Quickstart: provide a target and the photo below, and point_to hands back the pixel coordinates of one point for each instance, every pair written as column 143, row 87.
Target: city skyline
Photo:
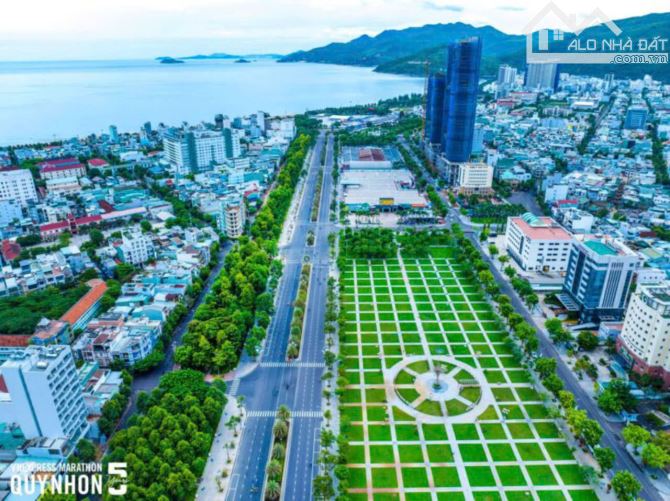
column 125, row 30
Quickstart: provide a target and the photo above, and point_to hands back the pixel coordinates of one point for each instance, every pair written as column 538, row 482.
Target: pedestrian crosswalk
column 297, row 365
column 234, row 387
column 296, row 414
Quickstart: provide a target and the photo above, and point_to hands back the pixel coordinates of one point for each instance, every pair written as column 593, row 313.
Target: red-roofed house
column 50, row 231
column 10, row 250
column 61, row 167
column 538, row 243
column 14, row 340
column 97, row 163
column 86, row 308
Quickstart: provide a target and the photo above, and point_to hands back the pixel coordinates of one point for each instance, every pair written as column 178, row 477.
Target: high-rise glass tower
column 435, row 107
column 460, row 98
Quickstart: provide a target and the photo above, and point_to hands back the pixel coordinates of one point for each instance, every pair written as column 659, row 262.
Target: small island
column 242, row 60
column 170, row 60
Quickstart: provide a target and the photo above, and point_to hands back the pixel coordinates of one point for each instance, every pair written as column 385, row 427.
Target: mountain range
column 413, row 51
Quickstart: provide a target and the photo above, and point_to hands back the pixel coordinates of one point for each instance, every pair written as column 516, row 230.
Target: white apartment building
column 194, row 151
column 645, row 339
column 538, row 243
column 64, row 185
column 556, row 192
column 474, row 177
column 136, row 248
column 17, row 184
column 61, row 171
column 44, row 397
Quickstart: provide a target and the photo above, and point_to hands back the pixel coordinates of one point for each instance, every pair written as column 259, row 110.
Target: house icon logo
column 568, row 44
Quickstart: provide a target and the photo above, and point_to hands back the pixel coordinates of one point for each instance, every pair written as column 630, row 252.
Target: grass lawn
column 414, row 477
column 384, row 477
column 446, row 477
column 506, row 447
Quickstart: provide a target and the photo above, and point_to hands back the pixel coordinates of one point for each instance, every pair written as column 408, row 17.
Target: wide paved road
column 297, row 384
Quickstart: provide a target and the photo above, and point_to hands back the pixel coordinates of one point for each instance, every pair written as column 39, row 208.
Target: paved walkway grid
column 437, row 404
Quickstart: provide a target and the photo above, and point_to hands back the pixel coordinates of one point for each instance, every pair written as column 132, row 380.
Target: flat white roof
column 369, row 186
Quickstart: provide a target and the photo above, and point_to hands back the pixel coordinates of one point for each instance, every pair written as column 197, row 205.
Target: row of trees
column 314, row 212
column 274, row 470
column 383, row 134
column 587, row 430
column 654, row 450
column 298, row 320
column 522, row 287
column 439, row 207
column 240, row 301
column 112, row 410
column 415, row 243
column 167, row 443
column 367, row 243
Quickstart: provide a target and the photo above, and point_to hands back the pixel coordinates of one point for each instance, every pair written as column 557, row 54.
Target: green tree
column 567, row 399
column 635, row 435
column 280, row 430
column 553, row 383
column 272, row 490
column 96, row 236
column 616, row 397
column 273, row 469
column 587, row 340
column 605, row 458
column 545, row 366
column 625, row 485
column 655, row 456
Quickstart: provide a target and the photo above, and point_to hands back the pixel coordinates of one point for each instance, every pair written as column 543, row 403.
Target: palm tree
column 280, row 430
column 272, row 490
column 278, row 451
column 273, row 469
column 283, row 413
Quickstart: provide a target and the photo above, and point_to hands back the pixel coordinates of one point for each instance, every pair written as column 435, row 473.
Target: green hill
column 407, row 51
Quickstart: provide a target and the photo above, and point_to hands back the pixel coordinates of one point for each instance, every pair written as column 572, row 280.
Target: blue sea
column 42, row 101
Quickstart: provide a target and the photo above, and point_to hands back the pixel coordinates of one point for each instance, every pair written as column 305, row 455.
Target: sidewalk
column 219, row 466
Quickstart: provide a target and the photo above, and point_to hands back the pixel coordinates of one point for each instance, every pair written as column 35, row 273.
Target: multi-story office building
column 435, row 108
column 538, row 243
column 636, row 117
column 113, row 133
column 599, row 276
column 232, row 146
column 460, row 100
column 17, row 184
column 474, row 177
column 506, row 75
column 196, row 151
column 44, row 395
column 542, row 76
column 645, row 339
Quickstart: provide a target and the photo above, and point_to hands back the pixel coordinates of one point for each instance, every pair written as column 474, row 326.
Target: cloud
column 511, row 8
column 429, row 4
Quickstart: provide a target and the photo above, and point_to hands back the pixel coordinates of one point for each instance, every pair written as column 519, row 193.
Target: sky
column 136, row 29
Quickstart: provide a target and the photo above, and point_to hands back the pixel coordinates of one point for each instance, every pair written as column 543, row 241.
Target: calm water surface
column 40, row 101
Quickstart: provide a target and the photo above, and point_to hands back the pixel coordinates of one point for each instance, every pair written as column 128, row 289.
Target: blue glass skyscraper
column 460, row 98
column 435, row 107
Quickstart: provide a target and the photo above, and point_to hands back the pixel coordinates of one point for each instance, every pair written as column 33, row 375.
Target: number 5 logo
column 118, row 470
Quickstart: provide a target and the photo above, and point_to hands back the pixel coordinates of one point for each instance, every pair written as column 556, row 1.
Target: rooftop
column 98, row 288
column 600, row 248
column 541, row 228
